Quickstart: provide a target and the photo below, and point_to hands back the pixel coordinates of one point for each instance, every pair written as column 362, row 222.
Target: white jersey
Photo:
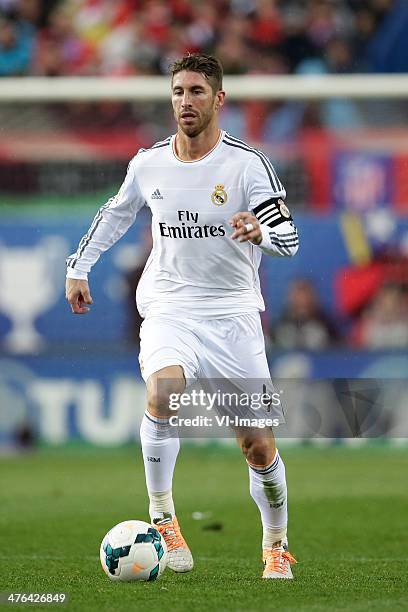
column 194, row 269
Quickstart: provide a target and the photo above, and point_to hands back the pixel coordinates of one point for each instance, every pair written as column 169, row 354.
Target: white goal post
column 265, row 87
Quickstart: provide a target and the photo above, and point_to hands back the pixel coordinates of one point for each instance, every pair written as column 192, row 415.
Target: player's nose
column 185, row 102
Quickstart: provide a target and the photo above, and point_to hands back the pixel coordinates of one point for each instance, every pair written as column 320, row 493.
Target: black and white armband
column 279, row 234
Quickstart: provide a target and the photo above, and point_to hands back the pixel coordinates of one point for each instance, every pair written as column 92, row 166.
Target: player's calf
column 160, row 447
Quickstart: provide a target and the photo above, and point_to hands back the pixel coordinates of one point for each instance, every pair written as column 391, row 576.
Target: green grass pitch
column 348, row 526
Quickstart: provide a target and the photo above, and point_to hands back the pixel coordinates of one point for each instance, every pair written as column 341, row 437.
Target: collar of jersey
column 195, row 161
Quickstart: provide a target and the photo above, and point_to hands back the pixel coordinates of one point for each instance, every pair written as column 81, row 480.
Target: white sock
column 160, row 447
column 268, row 489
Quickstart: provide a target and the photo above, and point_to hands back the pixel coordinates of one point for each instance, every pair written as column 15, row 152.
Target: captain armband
column 272, row 212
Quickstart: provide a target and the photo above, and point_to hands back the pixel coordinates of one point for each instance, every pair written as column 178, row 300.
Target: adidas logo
column 156, row 195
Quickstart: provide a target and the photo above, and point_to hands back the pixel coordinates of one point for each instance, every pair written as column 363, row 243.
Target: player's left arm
column 268, row 222
column 280, row 240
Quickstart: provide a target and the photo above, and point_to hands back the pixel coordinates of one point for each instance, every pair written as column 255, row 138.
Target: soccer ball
column 133, row 550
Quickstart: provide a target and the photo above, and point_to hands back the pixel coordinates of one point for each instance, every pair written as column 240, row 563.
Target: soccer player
column 216, row 205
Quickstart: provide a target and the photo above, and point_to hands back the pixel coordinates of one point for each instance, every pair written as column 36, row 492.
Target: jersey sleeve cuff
column 76, row 274
column 279, row 243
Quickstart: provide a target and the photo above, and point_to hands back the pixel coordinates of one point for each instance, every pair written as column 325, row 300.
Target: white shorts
column 225, row 357
column 206, row 349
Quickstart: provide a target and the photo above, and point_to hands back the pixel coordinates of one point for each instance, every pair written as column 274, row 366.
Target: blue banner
column 100, row 398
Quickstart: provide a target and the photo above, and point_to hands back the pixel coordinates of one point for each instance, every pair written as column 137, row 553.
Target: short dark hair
column 207, row 65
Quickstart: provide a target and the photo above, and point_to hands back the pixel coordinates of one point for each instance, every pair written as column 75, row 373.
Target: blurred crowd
column 381, row 323
column 133, row 37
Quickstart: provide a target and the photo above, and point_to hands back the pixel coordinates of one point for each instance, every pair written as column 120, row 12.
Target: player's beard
column 194, row 130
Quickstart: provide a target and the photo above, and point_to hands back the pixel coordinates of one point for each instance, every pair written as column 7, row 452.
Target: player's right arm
column 111, row 221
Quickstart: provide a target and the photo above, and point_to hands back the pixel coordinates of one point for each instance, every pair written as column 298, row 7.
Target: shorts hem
column 147, row 372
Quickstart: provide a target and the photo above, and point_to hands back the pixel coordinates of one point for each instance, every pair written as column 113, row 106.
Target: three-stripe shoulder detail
column 240, row 144
column 157, row 145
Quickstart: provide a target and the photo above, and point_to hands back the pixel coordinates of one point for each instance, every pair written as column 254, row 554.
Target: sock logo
column 154, row 459
column 276, row 505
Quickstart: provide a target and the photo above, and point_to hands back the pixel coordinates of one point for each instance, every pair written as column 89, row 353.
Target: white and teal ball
column 133, row 550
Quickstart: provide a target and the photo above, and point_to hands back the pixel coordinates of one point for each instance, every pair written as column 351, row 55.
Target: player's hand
column 77, row 293
column 241, row 223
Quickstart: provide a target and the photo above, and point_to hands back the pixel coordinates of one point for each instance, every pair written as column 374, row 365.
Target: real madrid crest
column 284, row 210
column 219, row 196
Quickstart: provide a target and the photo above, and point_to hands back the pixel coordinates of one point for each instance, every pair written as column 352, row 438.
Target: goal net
column 73, row 137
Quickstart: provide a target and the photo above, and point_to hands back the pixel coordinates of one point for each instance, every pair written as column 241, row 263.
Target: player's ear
column 220, row 98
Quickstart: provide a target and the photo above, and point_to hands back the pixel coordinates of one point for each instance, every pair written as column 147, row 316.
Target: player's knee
column 257, row 451
column 158, row 402
column 159, row 395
